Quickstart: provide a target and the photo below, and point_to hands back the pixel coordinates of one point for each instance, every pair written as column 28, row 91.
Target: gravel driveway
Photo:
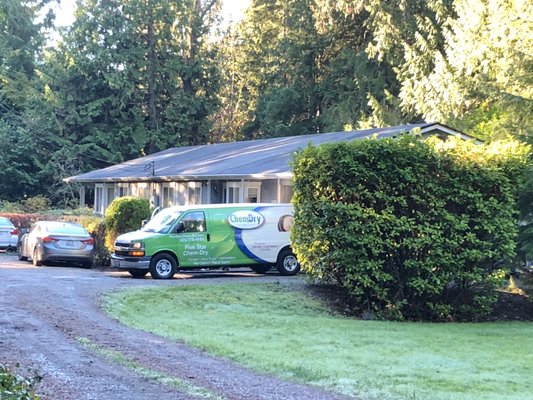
column 50, row 321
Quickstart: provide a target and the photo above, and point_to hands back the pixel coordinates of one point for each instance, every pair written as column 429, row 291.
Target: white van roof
column 226, row 205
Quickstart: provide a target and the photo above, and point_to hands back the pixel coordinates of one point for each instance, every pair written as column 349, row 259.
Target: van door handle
column 208, row 237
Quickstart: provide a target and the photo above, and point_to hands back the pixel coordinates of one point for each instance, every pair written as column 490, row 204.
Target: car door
column 30, row 240
column 192, row 239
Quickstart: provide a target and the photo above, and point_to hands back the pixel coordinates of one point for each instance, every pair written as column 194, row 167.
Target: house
column 245, row 171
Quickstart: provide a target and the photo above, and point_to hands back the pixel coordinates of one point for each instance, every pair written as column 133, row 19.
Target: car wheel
column 163, row 266
column 287, row 263
column 36, row 259
column 137, row 273
column 260, row 268
column 19, row 250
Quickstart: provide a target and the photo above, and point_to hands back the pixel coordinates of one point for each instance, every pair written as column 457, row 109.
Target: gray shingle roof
column 263, row 158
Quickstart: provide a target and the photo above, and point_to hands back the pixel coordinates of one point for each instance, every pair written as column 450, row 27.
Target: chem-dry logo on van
column 243, row 219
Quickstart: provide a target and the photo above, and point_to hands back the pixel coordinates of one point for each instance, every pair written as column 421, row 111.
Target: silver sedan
column 8, row 235
column 57, row 241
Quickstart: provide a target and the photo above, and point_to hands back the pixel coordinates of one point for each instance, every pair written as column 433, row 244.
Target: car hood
column 136, row 235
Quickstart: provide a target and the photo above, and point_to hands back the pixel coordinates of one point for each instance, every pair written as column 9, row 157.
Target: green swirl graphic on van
column 243, row 219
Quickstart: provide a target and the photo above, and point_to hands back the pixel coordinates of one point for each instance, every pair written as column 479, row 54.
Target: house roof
column 252, row 159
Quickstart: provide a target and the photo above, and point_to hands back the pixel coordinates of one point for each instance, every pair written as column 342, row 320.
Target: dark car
column 58, row 242
column 8, row 235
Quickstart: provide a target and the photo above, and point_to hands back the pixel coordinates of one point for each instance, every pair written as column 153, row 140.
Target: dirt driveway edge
column 52, row 322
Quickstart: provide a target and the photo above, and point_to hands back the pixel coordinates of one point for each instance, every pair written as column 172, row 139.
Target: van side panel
column 263, row 244
column 223, row 249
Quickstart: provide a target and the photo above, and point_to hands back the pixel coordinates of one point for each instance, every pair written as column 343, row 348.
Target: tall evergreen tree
column 136, row 76
column 302, row 66
column 483, row 82
column 23, row 130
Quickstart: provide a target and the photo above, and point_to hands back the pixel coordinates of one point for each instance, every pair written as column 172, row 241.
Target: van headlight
column 136, row 249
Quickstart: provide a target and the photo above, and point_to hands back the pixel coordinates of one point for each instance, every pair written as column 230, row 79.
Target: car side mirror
column 143, row 223
column 181, row 227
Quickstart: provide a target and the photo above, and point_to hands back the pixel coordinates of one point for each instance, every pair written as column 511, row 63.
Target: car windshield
column 162, row 221
column 66, row 229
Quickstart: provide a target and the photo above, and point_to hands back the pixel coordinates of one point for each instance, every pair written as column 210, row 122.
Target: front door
column 193, row 240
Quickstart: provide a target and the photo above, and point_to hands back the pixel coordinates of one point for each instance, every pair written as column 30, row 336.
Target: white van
column 210, row 236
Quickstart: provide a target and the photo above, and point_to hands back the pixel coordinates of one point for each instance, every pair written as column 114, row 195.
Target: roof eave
column 185, row 178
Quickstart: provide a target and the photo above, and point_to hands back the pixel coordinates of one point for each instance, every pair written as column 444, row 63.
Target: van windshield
column 162, row 222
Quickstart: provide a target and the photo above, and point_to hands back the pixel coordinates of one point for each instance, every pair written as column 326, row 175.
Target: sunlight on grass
column 274, row 329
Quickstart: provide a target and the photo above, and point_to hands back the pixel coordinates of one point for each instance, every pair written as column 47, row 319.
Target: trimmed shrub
column 412, row 229
column 123, row 215
column 10, row 207
column 17, row 387
column 36, row 204
column 96, row 226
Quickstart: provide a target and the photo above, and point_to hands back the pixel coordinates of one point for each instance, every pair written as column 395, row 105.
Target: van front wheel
column 287, row 263
column 163, row 266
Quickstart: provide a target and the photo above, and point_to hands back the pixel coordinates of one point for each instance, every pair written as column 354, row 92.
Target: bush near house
column 412, row 229
column 96, row 226
column 124, row 214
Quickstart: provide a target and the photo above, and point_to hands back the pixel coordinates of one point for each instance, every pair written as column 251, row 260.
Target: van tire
column 138, row 273
column 287, row 263
column 163, row 266
column 260, row 268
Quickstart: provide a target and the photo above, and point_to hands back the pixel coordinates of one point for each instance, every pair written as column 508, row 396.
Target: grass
column 275, row 329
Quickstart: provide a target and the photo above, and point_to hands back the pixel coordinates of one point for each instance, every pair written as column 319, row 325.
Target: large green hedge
column 124, row 214
column 413, row 229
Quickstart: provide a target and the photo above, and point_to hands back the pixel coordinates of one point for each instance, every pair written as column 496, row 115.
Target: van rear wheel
column 163, row 266
column 287, row 263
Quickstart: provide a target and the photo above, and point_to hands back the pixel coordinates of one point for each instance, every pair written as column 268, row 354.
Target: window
column 252, row 194
column 110, row 195
column 251, row 191
column 122, row 189
column 193, row 222
column 233, row 193
column 286, row 193
column 169, row 194
column 194, row 193
column 98, row 199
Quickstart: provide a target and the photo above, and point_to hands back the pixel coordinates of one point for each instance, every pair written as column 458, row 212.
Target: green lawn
column 276, row 329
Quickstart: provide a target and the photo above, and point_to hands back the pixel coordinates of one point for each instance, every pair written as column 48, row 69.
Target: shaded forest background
column 132, row 77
